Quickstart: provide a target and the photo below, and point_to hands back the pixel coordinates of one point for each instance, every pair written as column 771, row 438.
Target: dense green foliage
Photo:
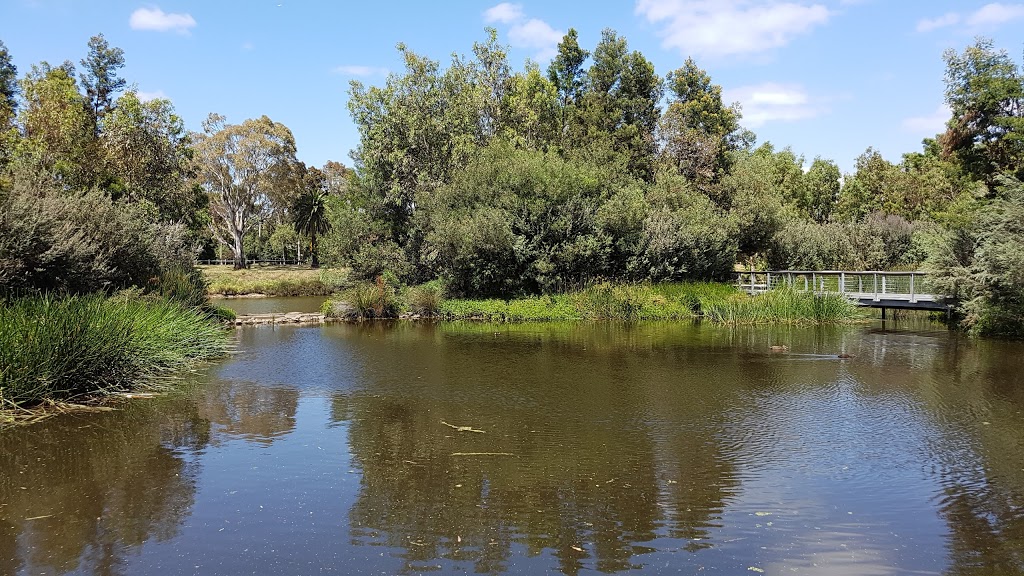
column 65, row 348
column 503, row 183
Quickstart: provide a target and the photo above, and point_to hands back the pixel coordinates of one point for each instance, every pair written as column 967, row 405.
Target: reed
column 65, row 348
column 780, row 306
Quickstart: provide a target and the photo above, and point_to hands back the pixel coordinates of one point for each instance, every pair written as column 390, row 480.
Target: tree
column 59, row 144
column 148, row 150
column 8, row 85
column 8, row 105
column 820, row 190
column 100, row 78
column 979, row 261
column 242, row 167
column 309, row 211
column 697, row 130
column 414, row 132
column 566, row 69
column 985, row 91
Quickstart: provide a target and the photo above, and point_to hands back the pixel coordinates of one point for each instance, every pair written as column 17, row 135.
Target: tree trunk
column 314, row 259
column 238, row 249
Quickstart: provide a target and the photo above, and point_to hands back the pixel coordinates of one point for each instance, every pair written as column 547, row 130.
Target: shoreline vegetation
column 714, row 302
column 72, row 349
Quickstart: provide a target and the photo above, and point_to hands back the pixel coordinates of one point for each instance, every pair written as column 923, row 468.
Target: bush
column 425, row 299
column 376, row 299
column 979, row 263
column 84, row 243
column 375, row 259
column 64, row 348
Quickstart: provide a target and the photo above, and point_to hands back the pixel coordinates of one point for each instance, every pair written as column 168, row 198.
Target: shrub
column 376, row 299
column 425, row 299
column 84, row 243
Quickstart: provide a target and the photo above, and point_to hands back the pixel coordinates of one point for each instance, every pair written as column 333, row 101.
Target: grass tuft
column 62, row 348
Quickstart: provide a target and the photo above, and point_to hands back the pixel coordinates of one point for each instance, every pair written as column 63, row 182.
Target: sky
column 826, row 78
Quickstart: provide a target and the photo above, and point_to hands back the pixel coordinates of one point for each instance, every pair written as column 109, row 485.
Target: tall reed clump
column 377, row 299
column 62, row 348
column 780, row 306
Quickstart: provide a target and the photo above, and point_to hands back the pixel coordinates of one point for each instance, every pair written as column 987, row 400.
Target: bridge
column 877, row 289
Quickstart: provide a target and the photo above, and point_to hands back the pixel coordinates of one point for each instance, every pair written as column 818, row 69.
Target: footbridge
column 877, row 289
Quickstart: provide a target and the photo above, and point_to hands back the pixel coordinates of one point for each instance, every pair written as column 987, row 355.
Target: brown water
column 656, row 448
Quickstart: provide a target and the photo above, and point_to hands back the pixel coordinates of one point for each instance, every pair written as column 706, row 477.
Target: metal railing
column 872, row 285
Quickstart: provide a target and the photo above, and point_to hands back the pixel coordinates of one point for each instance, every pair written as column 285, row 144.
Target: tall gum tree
column 243, row 167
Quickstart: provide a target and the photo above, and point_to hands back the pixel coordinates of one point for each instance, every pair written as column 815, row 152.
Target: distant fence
column 230, row 261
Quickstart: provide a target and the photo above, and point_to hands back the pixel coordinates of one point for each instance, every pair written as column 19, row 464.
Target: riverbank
column 77, row 348
column 719, row 303
column 273, row 280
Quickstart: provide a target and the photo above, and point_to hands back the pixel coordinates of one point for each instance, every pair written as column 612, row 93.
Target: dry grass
column 274, row 280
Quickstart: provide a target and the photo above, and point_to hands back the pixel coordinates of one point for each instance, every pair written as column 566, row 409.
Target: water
column 656, row 448
column 276, row 305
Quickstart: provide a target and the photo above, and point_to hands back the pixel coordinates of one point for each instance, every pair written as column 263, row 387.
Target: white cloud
column 730, row 27
column 147, row 96
column 505, row 13
column 156, row 19
column 995, row 14
column 929, row 24
column 930, row 124
column 771, row 102
column 534, row 34
column 988, row 16
column 357, row 70
column 248, row 46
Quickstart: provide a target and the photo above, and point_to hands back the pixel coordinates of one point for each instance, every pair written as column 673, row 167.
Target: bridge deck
column 877, row 289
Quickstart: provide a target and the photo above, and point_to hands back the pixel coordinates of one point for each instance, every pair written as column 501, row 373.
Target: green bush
column 65, row 348
column 425, row 299
column 376, row 299
column 82, row 243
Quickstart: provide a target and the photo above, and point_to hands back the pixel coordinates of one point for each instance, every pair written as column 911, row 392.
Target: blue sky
column 824, row 77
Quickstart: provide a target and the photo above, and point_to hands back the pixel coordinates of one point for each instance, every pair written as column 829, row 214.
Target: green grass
column 719, row 303
column 275, row 280
column 64, row 348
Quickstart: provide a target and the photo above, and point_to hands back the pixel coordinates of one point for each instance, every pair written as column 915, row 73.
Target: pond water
column 653, row 448
column 275, row 305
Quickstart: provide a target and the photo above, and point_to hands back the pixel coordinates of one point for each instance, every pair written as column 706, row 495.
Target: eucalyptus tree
column 243, row 167
column 414, row 131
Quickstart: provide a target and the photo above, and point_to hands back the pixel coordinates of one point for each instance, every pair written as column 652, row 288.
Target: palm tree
column 309, row 214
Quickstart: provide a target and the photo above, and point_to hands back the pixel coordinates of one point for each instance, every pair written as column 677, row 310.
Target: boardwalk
column 907, row 290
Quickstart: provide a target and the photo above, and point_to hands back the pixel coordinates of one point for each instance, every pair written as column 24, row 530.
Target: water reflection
column 660, row 448
column 82, row 493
